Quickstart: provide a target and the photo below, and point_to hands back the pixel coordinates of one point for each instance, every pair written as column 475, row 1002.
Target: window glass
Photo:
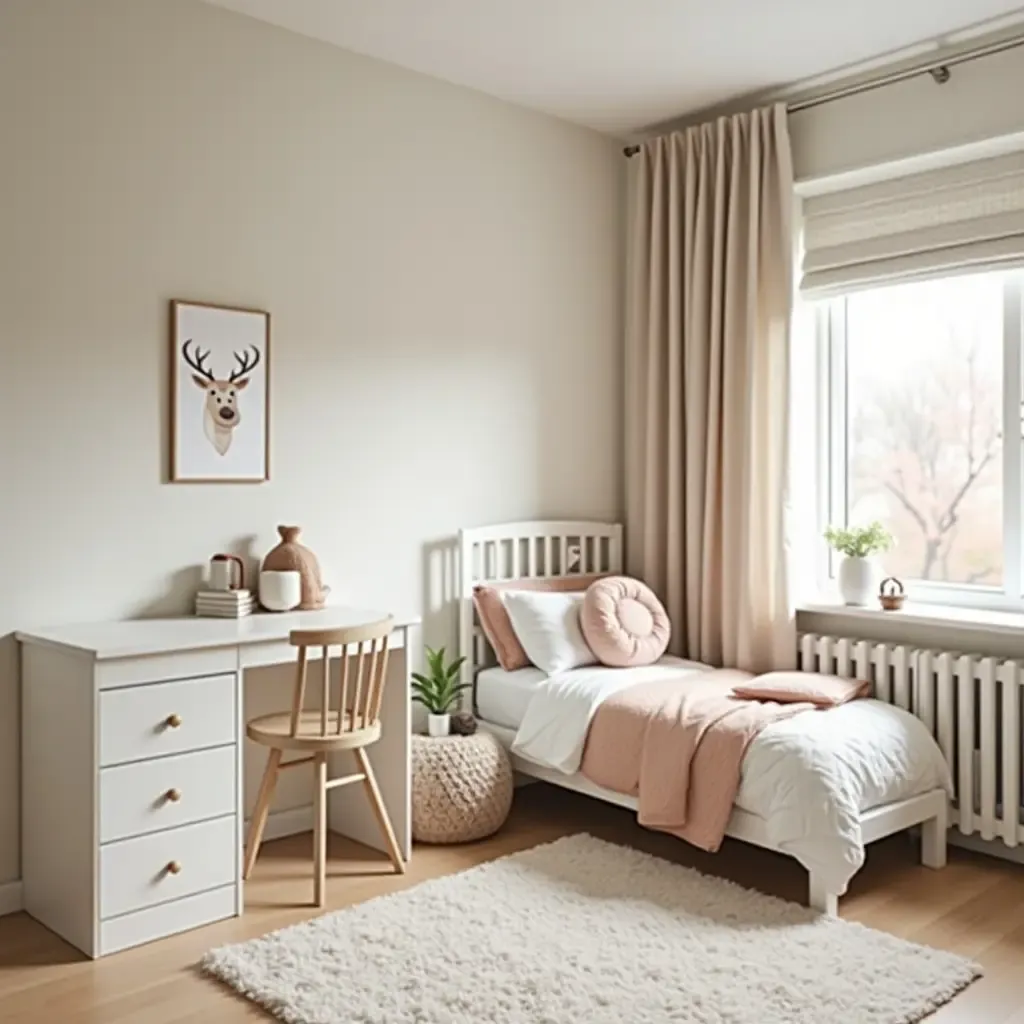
column 924, row 425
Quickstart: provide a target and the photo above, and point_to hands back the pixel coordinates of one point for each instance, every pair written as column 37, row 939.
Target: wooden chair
column 353, row 726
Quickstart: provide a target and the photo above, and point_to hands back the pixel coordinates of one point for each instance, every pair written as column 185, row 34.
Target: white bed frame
column 546, row 549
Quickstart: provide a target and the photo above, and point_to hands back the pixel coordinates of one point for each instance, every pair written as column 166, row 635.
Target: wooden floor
column 974, row 907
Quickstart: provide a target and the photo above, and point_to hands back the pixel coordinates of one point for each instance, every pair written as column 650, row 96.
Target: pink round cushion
column 624, row 623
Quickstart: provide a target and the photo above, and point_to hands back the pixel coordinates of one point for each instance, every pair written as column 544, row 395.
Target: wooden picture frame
column 219, row 422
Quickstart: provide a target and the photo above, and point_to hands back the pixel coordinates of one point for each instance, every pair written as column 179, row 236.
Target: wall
column 911, row 118
column 443, row 276
column 906, row 120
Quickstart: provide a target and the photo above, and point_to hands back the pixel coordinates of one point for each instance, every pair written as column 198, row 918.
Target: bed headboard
column 542, row 550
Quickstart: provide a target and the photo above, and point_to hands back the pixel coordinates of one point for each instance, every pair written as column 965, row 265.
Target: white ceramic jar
column 280, row 591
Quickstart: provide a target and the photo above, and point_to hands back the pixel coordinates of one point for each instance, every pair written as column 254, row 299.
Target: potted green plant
column 858, row 571
column 439, row 690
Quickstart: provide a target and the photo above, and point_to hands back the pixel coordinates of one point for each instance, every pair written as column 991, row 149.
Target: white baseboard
column 287, row 823
column 519, row 780
column 11, row 899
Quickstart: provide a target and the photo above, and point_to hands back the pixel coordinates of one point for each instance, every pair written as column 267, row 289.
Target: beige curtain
column 707, row 381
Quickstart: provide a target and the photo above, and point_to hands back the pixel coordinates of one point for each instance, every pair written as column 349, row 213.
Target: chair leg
column 380, row 810
column 260, row 812
column 320, row 829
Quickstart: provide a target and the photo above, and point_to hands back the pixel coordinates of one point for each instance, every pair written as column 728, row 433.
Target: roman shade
column 953, row 220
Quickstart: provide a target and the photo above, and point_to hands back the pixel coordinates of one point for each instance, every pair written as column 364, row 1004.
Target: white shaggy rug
column 584, row 931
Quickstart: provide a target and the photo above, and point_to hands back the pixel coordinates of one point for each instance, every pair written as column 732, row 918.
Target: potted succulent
column 858, row 571
column 438, row 691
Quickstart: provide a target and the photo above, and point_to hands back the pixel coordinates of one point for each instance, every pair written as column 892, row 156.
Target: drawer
column 167, row 919
column 136, row 873
column 167, row 792
column 140, row 722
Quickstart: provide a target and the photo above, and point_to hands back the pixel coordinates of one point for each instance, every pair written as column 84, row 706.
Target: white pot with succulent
column 859, row 573
column 438, row 691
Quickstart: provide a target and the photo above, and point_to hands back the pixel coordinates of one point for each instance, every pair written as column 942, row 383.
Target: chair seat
column 275, row 731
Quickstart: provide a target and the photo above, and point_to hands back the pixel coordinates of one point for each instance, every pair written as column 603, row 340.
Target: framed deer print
column 220, row 394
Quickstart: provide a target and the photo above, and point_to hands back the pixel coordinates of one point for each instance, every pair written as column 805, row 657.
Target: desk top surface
column 141, row 637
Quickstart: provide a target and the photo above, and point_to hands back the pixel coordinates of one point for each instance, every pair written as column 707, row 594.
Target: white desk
column 132, row 737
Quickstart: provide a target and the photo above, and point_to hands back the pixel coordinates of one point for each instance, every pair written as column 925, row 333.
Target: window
column 924, row 406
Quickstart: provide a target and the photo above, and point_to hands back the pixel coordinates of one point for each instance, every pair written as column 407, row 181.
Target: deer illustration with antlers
column 220, row 412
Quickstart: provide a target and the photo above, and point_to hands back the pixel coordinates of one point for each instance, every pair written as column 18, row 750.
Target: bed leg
column 933, row 839
column 819, row 897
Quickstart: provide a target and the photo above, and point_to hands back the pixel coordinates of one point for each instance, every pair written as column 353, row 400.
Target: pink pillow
column 810, row 687
column 494, row 620
column 624, row 623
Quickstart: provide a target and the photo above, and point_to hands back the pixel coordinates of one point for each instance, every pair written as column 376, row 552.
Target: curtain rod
column 937, row 68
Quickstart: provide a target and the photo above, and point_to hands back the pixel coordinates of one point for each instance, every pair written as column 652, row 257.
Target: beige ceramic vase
column 291, row 556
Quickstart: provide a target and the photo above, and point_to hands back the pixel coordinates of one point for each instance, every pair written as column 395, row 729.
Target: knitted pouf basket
column 461, row 788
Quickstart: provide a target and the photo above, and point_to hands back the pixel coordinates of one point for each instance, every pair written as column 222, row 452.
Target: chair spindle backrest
column 363, row 673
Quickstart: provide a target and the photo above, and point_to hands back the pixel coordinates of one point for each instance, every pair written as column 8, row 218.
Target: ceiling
column 621, row 65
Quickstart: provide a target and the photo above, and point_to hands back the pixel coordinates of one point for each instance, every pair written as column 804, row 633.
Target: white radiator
column 971, row 704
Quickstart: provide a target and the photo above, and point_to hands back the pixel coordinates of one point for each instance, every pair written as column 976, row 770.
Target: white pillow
column 547, row 624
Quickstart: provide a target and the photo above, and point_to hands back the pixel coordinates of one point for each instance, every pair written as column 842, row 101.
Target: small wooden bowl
column 891, row 594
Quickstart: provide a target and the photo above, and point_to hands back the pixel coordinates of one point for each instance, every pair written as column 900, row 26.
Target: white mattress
column 502, row 697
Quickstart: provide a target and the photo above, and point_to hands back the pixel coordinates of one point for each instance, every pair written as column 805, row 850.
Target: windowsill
column 986, row 620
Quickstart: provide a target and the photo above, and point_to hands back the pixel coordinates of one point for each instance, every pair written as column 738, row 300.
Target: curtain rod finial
column 630, row 151
column 941, row 74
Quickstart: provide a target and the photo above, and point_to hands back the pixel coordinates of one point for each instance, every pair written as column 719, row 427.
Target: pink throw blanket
column 679, row 745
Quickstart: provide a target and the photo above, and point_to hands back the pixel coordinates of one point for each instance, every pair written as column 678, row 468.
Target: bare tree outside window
column 924, row 416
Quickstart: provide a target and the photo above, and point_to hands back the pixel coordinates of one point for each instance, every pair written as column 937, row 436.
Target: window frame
column 830, row 327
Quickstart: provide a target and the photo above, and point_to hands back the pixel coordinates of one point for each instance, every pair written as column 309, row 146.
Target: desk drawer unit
column 132, row 798
column 166, row 792
column 156, row 719
column 165, row 866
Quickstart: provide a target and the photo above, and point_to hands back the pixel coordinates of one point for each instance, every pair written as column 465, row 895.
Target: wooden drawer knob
column 174, row 795
column 173, row 721
column 173, row 868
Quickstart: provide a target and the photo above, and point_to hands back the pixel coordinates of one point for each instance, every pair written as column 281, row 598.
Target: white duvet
column 808, row 777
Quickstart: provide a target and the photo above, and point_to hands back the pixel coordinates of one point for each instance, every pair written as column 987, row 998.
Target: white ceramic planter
column 439, row 725
column 858, row 581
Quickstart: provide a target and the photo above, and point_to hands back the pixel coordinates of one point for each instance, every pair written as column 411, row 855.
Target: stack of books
column 225, row 604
